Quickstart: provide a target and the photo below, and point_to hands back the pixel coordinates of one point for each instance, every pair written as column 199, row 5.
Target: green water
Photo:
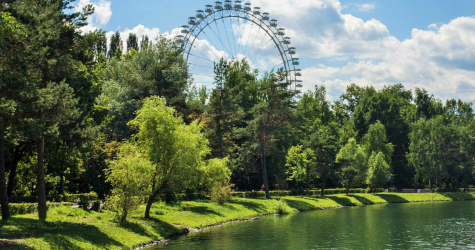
column 444, row 225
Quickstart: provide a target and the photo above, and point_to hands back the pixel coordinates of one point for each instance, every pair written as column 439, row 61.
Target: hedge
column 25, row 208
column 254, row 194
column 55, row 198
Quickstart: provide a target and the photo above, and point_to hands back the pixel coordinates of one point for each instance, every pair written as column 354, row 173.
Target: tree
column 353, row 159
column 298, row 161
column 323, row 142
column 129, row 174
column 391, row 106
column 375, row 142
column 271, row 118
column 177, row 150
column 378, row 171
column 159, row 70
column 132, row 42
column 115, row 47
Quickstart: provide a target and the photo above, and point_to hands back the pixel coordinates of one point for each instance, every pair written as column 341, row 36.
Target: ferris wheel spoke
column 219, row 37
column 226, row 30
column 202, row 66
column 210, row 49
column 260, row 47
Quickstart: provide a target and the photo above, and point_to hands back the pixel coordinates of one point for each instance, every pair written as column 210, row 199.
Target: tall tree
column 354, row 168
column 132, row 42
column 272, row 118
column 115, row 47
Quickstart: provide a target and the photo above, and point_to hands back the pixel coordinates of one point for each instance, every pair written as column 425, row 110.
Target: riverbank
column 78, row 229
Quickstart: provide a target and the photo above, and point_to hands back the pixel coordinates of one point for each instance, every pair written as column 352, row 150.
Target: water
column 444, row 225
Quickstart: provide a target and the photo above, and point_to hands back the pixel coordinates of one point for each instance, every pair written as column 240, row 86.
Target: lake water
column 441, row 225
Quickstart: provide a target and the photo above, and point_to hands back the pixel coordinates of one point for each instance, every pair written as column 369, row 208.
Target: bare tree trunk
column 61, row 182
column 264, row 171
column 12, row 177
column 322, row 192
column 61, row 177
column 41, row 180
column 3, row 186
column 150, row 201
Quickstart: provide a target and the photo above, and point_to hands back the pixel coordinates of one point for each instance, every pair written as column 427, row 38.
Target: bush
column 25, row 208
column 55, row 198
column 222, row 194
column 281, row 207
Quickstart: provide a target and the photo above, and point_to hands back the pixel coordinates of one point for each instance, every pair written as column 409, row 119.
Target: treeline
column 79, row 115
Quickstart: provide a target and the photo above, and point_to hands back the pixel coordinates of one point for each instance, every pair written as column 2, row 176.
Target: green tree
column 353, row 159
column 132, row 42
column 177, row 150
column 129, row 174
column 378, row 171
column 272, row 118
column 297, row 163
column 159, row 70
column 390, row 106
column 323, row 142
column 115, row 47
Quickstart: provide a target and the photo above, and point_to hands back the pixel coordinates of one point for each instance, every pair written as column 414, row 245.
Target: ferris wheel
column 237, row 31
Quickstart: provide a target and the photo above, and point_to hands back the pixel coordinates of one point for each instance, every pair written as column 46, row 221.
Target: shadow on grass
column 361, row 199
column 163, row 228
column 459, row 196
column 250, row 205
column 10, row 244
column 391, row 198
column 135, row 227
column 203, row 210
column 57, row 234
column 299, row 205
column 341, row 200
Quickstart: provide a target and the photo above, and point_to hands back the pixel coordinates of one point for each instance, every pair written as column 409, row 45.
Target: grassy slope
column 68, row 228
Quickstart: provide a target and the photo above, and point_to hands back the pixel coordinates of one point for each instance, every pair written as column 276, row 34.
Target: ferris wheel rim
column 289, row 62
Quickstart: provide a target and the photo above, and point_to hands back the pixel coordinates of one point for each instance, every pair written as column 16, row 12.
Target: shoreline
column 76, row 228
column 188, row 230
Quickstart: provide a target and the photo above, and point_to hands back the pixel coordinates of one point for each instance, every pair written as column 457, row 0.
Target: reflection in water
column 444, row 225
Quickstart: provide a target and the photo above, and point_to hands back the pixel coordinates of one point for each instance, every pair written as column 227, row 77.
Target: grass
column 73, row 228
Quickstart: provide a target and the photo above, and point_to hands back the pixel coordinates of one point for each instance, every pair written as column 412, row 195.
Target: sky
column 425, row 43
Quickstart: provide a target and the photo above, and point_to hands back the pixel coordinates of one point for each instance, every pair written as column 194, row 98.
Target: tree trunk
column 264, row 171
column 18, row 153
column 61, row 177
column 41, row 180
column 61, row 182
column 322, row 192
column 12, row 177
column 3, row 186
column 150, row 201
column 347, row 190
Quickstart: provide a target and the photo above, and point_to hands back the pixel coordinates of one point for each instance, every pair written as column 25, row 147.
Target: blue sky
column 423, row 43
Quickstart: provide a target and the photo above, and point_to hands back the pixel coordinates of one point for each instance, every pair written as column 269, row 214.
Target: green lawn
column 68, row 228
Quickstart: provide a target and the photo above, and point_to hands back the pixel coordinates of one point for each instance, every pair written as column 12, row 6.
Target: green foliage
column 129, row 174
column 222, row 193
column 353, row 159
column 378, row 170
column 298, row 164
column 281, row 207
column 375, row 142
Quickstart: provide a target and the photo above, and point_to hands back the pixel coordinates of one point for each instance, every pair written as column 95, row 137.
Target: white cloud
column 102, row 14
column 440, row 59
column 366, row 7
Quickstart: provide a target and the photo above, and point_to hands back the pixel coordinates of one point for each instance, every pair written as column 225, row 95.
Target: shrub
column 25, row 208
column 281, row 207
column 222, row 193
